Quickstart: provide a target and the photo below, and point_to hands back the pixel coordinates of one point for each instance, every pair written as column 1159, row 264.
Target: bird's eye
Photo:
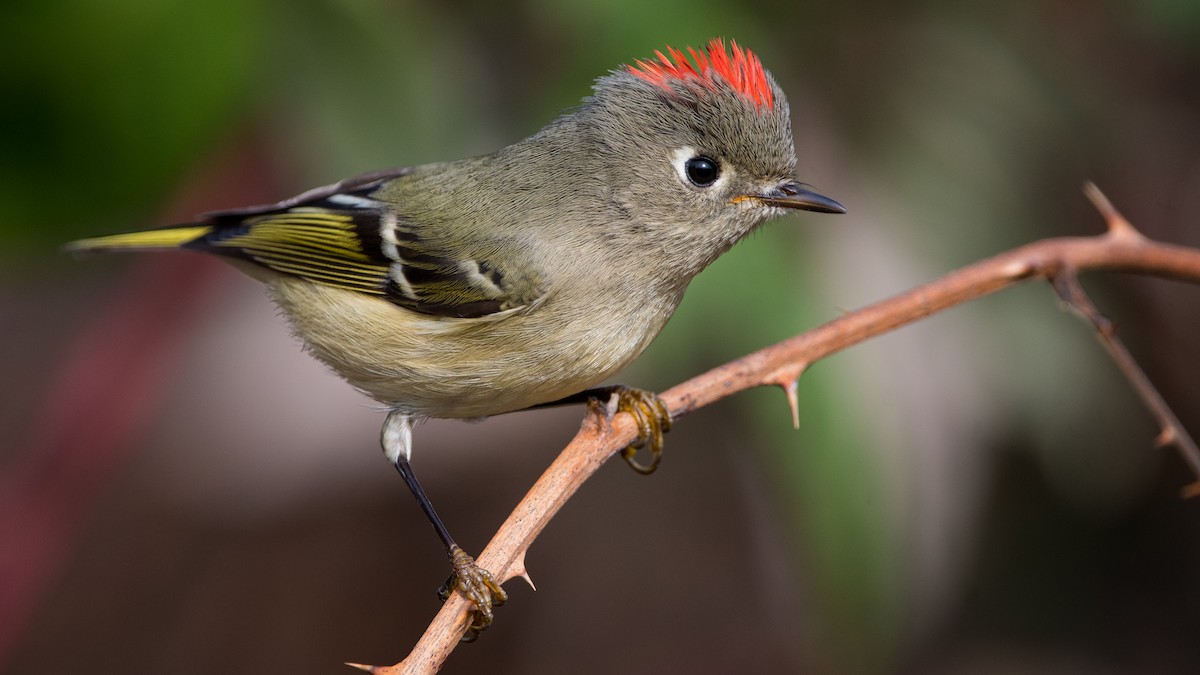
column 702, row 171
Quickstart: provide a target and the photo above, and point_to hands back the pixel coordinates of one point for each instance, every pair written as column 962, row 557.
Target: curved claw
column 653, row 420
column 478, row 586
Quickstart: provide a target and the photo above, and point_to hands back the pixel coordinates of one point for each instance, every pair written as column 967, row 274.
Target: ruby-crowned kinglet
column 492, row 284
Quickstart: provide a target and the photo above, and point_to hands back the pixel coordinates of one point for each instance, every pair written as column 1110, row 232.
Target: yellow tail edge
column 171, row 237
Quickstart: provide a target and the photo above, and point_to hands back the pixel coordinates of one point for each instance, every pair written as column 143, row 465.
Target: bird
column 528, row 276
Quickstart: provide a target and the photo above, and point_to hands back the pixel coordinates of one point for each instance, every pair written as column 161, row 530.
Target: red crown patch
column 741, row 70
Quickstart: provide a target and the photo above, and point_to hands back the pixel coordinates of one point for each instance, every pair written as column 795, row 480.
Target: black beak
column 794, row 195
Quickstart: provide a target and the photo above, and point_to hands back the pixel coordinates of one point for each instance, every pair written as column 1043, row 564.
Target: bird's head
column 698, row 149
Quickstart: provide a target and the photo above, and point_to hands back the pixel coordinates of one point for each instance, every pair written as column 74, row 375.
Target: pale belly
column 463, row 368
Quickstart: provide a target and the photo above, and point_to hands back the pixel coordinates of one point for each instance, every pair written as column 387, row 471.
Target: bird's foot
column 653, row 420
column 478, row 586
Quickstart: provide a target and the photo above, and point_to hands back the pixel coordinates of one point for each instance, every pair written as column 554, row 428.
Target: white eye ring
column 684, row 157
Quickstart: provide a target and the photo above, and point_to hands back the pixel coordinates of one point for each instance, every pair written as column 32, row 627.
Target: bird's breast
column 462, row 368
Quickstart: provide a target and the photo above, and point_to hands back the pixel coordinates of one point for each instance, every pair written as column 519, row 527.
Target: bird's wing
column 340, row 236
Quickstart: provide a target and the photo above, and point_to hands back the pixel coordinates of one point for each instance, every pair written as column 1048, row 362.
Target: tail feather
column 147, row 240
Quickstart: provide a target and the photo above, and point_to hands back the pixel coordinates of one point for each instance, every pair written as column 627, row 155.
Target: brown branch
column 1066, row 284
column 1121, row 249
column 1173, row 433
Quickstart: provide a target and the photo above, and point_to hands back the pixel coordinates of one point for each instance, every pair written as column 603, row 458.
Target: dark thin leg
column 474, row 582
column 410, row 479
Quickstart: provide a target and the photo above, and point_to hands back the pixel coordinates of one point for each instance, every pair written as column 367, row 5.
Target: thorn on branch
column 1165, row 438
column 788, row 379
column 519, row 570
column 1117, row 225
column 789, row 390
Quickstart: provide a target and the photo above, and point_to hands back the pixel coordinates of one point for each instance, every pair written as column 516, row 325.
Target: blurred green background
column 183, row 491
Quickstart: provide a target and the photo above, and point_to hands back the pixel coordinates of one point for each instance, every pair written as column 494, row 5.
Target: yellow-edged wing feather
column 340, row 236
column 322, row 246
column 171, row 237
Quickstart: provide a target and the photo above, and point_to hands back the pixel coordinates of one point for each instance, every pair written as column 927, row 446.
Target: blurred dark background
column 182, row 490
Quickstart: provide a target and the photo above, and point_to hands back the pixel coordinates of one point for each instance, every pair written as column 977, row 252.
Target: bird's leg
column 651, row 414
column 474, row 582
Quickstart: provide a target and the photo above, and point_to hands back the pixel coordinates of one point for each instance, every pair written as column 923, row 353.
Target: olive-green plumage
column 491, row 284
column 485, row 285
